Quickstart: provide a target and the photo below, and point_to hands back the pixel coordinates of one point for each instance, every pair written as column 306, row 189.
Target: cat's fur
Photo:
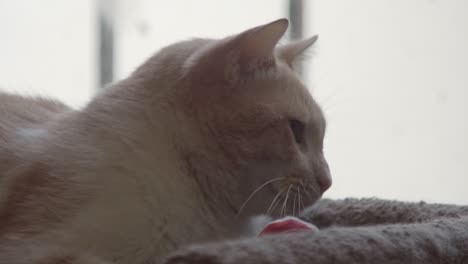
column 353, row 231
column 164, row 158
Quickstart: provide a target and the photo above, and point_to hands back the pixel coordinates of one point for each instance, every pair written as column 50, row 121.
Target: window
column 391, row 75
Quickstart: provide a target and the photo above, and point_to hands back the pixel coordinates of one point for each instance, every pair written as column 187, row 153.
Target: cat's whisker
column 301, row 206
column 314, row 189
column 294, row 204
column 302, row 185
column 255, row 191
column 286, row 200
column 304, row 193
column 303, row 188
column 274, row 205
column 310, row 191
column 274, row 201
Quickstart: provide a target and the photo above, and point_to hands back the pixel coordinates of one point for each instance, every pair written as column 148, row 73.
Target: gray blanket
column 352, row 231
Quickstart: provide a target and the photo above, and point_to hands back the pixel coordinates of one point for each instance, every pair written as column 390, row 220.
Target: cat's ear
column 254, row 51
column 292, row 50
column 248, row 55
column 260, row 42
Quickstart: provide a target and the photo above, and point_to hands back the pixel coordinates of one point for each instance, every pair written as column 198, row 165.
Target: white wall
column 144, row 26
column 396, row 75
column 48, row 47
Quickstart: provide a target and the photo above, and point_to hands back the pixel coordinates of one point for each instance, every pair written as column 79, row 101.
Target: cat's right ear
column 291, row 51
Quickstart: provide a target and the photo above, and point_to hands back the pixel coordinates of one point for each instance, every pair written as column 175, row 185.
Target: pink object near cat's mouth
column 287, row 225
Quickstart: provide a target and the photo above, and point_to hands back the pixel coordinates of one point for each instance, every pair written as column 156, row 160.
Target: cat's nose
column 324, row 178
column 324, row 182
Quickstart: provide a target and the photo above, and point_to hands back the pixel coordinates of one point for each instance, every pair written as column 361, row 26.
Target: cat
column 202, row 136
column 352, row 231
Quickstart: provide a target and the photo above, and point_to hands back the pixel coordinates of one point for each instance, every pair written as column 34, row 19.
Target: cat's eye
column 297, row 128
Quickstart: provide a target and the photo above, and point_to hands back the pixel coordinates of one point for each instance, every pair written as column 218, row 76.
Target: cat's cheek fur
column 271, row 152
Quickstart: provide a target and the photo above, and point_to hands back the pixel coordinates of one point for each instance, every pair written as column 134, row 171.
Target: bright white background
column 392, row 76
column 48, row 47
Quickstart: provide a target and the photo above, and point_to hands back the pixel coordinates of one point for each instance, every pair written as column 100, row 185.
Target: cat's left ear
column 291, row 51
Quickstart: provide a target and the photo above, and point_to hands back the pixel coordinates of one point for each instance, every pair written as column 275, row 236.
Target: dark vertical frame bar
column 106, row 46
column 296, row 20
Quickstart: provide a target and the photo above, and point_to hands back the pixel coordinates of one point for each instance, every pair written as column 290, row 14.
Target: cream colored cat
column 167, row 157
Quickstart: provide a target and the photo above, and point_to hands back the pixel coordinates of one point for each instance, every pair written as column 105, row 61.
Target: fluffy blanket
column 352, row 231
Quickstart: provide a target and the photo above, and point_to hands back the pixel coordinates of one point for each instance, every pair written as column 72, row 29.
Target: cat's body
column 164, row 158
column 58, row 187
column 127, row 189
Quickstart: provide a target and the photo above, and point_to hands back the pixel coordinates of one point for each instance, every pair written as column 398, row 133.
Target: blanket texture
column 352, row 231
